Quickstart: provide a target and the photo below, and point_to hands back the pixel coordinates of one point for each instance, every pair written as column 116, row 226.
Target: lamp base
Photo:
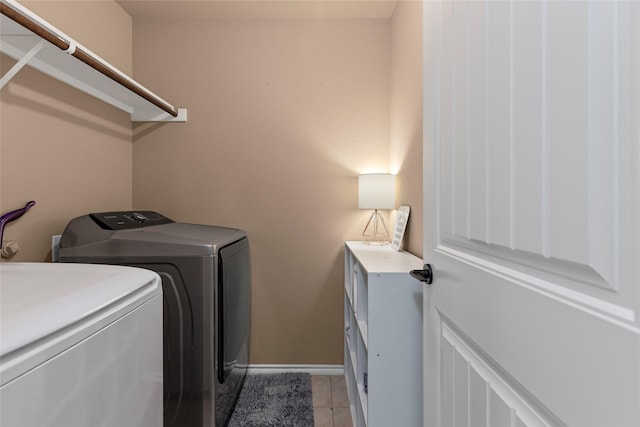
column 373, row 234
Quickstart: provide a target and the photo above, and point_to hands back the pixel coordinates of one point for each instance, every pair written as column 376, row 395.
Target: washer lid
column 47, row 308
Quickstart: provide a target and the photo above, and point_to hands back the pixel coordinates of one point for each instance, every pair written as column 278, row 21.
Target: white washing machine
column 80, row 345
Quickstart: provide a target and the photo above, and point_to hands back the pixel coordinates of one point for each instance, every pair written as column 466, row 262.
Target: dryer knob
column 139, row 217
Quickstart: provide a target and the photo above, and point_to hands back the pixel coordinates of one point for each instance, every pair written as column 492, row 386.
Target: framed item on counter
column 401, row 224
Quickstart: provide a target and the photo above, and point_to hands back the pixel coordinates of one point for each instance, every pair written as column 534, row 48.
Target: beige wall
column 66, row 150
column 283, row 116
column 406, row 115
column 102, row 26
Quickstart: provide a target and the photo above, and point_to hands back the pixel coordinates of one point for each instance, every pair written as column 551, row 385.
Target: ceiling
column 259, row 9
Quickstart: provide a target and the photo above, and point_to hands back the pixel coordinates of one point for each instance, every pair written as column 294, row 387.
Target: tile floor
column 330, row 401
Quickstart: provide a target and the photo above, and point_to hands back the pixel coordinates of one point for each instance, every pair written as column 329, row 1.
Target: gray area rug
column 274, row 400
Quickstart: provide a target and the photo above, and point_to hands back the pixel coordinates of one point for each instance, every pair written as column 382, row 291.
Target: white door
column 532, row 213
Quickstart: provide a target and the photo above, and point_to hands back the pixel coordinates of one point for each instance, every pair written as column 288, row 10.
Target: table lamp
column 376, row 191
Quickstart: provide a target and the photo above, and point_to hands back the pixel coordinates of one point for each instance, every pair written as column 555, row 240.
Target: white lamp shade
column 377, row 191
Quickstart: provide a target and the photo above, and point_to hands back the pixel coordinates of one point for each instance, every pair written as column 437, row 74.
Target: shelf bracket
column 22, row 62
column 163, row 117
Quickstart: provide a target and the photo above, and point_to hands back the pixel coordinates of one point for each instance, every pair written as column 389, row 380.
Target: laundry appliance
column 206, row 279
column 81, row 345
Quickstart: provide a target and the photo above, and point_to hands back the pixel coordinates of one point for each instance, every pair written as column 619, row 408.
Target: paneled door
column 532, row 213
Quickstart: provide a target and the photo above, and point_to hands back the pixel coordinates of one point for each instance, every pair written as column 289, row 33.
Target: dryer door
column 234, row 305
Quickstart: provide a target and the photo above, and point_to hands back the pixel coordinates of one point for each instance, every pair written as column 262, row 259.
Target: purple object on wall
column 12, row 216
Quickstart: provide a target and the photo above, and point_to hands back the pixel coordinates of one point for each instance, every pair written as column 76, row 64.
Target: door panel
column 531, row 202
column 481, row 395
column 513, row 186
column 527, row 126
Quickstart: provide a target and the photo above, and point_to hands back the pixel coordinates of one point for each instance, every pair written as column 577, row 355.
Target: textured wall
column 283, row 116
column 66, row 150
column 406, row 115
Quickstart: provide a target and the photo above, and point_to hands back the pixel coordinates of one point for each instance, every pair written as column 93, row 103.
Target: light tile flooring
column 330, row 401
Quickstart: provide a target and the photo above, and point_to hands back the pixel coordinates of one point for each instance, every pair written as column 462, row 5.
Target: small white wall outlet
column 55, row 247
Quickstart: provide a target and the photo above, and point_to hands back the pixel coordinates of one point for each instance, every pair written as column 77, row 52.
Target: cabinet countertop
column 384, row 259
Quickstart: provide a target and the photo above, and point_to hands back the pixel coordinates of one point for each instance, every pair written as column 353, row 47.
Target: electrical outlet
column 55, row 247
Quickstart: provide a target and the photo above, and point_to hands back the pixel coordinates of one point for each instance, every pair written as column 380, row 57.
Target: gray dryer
column 206, row 281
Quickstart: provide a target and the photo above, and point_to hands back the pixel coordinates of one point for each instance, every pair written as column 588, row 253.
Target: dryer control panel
column 124, row 220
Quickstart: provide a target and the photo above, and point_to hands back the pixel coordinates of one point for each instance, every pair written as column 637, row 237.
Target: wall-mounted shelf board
column 29, row 39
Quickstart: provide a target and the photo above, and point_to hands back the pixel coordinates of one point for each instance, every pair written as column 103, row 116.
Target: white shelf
column 385, row 336
column 114, row 87
column 363, row 333
column 363, row 402
column 384, row 259
column 348, row 294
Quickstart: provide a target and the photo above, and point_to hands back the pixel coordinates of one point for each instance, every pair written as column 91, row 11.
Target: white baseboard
column 309, row 369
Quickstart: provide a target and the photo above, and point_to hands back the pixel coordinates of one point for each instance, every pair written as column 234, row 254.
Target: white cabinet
column 383, row 336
